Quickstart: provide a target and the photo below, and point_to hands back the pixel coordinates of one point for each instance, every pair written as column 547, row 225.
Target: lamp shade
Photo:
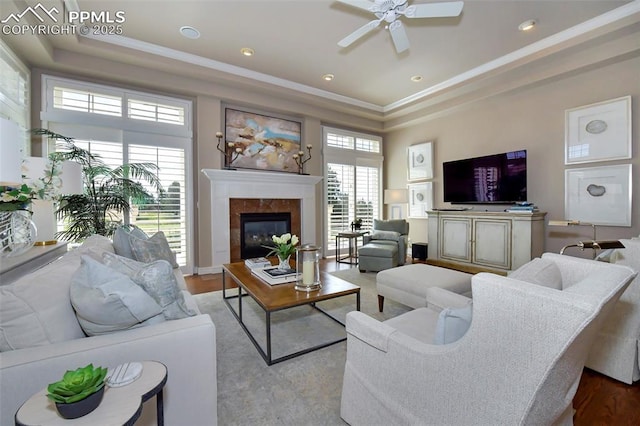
column 11, row 158
column 69, row 179
column 72, row 180
column 396, row 196
column 34, row 168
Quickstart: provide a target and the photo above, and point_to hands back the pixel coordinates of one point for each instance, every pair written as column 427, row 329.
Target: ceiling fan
column 390, row 11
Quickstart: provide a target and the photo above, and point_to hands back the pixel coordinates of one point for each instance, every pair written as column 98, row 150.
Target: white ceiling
column 295, row 43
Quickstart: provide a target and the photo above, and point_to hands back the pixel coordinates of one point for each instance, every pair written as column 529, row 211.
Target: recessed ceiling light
column 527, row 25
column 246, row 51
column 189, row 32
column 328, row 77
column 416, row 78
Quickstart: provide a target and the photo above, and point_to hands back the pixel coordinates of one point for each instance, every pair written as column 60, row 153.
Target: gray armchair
column 519, row 361
column 386, row 246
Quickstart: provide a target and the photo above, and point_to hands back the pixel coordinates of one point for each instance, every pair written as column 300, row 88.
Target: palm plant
column 108, row 192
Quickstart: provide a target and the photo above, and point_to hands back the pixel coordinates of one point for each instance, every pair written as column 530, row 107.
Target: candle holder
column 230, row 154
column 308, row 267
column 300, row 158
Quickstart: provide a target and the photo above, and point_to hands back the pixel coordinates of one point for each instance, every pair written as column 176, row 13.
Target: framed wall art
column 599, row 195
column 262, row 142
column 420, row 161
column 420, row 199
column 598, row 132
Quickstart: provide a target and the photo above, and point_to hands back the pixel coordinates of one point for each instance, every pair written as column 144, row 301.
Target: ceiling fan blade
column 399, row 36
column 434, row 10
column 360, row 4
column 366, row 28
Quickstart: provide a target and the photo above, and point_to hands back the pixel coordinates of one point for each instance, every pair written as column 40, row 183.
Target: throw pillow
column 35, row 309
column 157, row 279
column 106, row 300
column 541, row 272
column 121, row 242
column 385, row 235
column 151, row 249
column 452, row 324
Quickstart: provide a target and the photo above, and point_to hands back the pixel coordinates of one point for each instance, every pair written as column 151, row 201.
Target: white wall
column 531, row 119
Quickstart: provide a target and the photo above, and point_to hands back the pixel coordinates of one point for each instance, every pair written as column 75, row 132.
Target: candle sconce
column 230, row 154
column 300, row 158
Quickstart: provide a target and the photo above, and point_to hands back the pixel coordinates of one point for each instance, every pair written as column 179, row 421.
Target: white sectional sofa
column 49, row 341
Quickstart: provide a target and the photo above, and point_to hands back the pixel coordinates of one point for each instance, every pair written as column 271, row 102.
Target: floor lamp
column 396, row 197
column 593, row 244
column 573, row 223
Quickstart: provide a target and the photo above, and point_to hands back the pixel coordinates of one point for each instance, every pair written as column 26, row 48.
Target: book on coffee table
column 273, row 275
column 257, row 263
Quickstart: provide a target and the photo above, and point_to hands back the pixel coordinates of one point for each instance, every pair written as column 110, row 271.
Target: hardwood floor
column 599, row 399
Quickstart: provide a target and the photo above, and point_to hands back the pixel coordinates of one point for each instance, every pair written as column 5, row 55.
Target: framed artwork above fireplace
column 261, row 142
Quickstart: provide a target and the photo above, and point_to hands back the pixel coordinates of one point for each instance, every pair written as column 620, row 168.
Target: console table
column 12, row 268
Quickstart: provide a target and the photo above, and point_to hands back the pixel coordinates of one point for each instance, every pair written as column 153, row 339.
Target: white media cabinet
column 493, row 240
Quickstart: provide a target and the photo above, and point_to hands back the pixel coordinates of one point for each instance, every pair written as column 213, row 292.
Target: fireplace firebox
column 257, row 230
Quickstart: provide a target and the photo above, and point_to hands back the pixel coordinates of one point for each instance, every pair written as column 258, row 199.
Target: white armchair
column 520, row 361
column 615, row 351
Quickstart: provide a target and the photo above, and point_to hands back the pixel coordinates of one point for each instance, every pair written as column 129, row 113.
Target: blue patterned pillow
column 106, row 300
column 151, row 249
column 157, row 279
column 121, row 243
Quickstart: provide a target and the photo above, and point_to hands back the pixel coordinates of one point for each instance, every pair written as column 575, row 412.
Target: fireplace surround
column 229, row 184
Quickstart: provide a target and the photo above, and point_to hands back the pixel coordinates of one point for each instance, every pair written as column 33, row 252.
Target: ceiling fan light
column 527, row 25
column 189, row 32
column 246, row 51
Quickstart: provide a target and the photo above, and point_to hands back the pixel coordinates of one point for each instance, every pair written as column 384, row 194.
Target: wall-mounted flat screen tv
column 498, row 178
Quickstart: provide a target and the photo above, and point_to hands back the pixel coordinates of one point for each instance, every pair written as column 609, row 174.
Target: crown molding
column 531, row 52
column 192, row 59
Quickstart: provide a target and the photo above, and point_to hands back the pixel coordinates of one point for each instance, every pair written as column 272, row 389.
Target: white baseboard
column 208, row 270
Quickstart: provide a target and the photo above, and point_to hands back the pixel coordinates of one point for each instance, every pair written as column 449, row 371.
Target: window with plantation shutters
column 353, row 177
column 367, row 194
column 125, row 126
column 15, row 92
column 340, row 199
column 86, row 101
column 153, row 111
column 166, row 211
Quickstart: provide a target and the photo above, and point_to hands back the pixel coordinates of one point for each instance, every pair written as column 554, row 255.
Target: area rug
column 300, row 391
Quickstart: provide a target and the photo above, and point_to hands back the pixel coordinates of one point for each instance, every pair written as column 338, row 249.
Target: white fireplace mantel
column 227, row 184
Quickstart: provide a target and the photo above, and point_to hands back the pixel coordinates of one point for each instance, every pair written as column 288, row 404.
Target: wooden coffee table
column 279, row 297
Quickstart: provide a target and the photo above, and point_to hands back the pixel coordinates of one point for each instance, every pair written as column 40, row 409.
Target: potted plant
column 108, row 192
column 79, row 392
column 356, row 224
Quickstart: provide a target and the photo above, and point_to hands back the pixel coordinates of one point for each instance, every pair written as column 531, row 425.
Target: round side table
column 119, row 406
